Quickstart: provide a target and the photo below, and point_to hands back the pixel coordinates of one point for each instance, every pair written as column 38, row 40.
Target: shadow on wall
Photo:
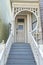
column 4, row 31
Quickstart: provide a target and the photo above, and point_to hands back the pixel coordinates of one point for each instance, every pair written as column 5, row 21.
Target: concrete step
column 20, row 45
column 21, row 63
column 21, row 54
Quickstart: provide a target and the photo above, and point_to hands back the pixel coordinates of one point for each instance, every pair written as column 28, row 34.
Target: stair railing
column 8, row 46
column 4, row 55
column 35, row 42
column 37, row 36
column 34, row 47
column 2, row 48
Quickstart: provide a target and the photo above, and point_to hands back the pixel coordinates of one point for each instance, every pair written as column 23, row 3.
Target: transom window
column 20, row 20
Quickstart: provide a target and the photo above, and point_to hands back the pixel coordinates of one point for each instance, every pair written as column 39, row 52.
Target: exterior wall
column 18, row 6
column 41, row 14
column 24, row 0
column 5, row 18
column 34, row 5
column 5, row 10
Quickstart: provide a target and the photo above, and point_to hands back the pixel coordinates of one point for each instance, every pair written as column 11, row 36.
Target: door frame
column 25, row 32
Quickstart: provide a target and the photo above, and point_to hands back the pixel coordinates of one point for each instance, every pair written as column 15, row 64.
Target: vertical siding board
column 41, row 14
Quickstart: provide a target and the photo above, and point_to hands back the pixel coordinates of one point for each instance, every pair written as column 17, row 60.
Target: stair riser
column 21, row 54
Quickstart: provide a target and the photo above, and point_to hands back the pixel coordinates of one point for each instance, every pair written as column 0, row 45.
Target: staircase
column 21, row 54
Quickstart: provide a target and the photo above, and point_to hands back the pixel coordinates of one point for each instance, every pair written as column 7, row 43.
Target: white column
column 28, row 18
column 25, row 30
column 30, row 23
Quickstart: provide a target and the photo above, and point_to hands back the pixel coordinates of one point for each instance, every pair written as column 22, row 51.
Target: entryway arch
column 34, row 13
column 29, row 12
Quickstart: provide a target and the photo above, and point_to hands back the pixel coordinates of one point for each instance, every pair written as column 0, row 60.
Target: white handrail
column 2, row 48
column 37, row 50
column 6, row 49
column 34, row 47
column 8, row 46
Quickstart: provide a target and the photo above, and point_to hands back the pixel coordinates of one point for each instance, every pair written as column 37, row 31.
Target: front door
column 20, row 30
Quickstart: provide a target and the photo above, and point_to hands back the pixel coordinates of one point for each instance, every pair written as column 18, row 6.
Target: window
column 20, row 20
column 20, row 27
column 34, row 24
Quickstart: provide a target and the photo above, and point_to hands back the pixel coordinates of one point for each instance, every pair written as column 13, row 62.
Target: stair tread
column 21, row 54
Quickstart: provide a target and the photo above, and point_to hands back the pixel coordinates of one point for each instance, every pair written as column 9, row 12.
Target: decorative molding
column 19, row 9
column 24, row 0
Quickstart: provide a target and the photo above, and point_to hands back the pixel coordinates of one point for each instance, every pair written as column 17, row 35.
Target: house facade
column 24, row 44
column 26, row 19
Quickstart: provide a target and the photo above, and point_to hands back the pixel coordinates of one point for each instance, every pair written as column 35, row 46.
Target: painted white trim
column 31, row 12
column 28, row 28
column 24, row 17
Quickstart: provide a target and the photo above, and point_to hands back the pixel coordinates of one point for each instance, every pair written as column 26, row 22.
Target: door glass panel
column 20, row 27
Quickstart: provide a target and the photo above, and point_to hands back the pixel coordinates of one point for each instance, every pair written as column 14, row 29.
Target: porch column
column 28, row 18
column 30, row 23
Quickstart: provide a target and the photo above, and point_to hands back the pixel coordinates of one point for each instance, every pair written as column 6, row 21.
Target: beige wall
column 24, row 0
